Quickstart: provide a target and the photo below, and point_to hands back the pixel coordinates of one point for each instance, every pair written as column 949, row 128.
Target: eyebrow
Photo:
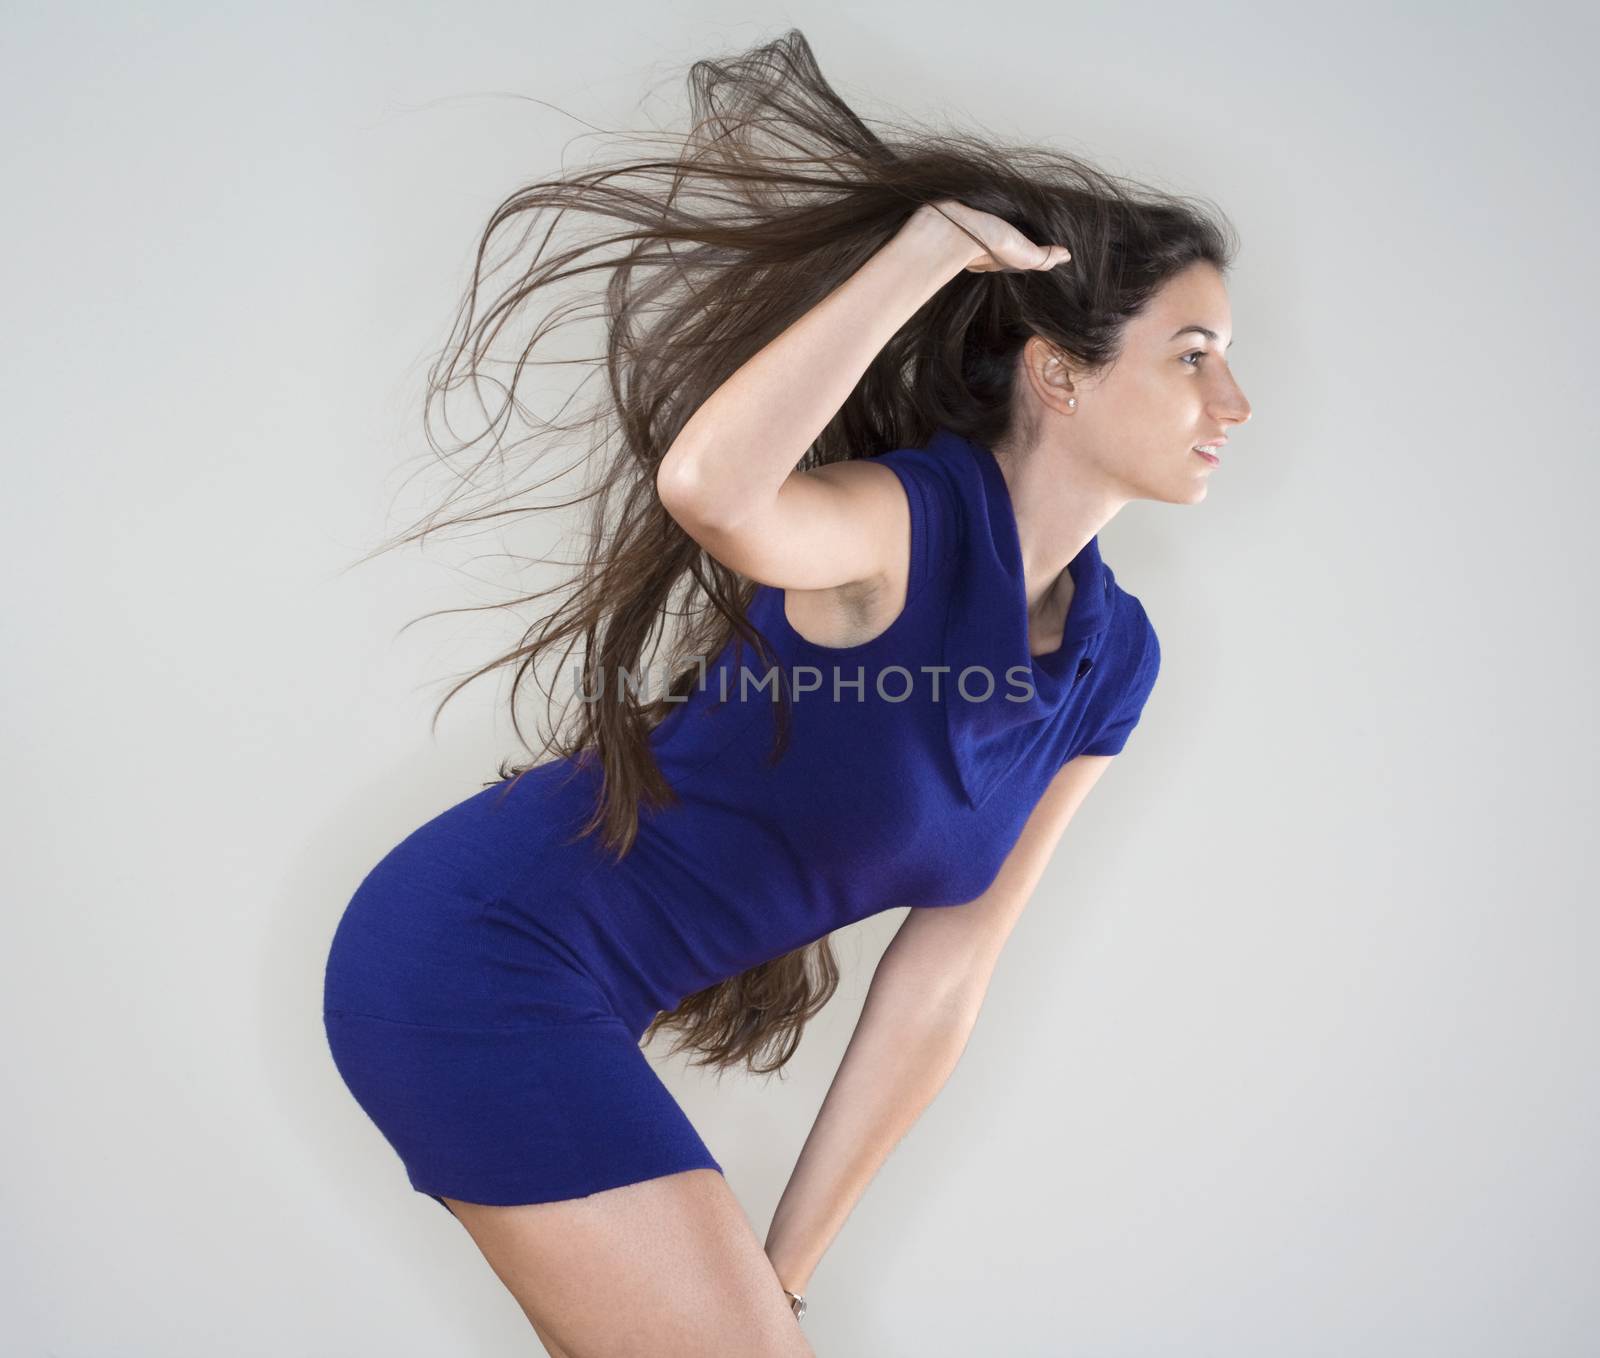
column 1199, row 330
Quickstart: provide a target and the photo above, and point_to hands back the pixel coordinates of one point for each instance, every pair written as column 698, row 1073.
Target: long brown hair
column 703, row 254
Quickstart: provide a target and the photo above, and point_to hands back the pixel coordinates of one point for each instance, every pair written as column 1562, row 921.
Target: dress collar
column 988, row 626
column 1090, row 609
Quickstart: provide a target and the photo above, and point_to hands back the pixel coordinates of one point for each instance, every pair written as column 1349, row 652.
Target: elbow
column 945, row 990
column 686, row 491
column 673, row 481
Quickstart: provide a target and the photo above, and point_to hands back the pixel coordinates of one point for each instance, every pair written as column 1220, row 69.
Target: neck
column 1056, row 514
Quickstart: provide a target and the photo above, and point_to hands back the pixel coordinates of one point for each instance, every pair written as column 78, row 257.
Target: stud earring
column 1072, row 400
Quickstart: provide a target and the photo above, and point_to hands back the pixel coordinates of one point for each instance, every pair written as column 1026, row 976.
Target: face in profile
column 1138, row 423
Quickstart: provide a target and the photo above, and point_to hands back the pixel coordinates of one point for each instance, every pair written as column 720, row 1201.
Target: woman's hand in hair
column 997, row 239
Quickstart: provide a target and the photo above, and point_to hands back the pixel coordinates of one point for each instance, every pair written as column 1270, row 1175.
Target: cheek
column 1142, row 422
column 1155, row 395
column 1163, row 411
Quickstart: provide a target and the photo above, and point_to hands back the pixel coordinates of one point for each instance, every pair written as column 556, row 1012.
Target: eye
column 1198, row 353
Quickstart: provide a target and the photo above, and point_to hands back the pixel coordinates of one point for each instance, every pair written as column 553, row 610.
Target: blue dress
column 488, row 983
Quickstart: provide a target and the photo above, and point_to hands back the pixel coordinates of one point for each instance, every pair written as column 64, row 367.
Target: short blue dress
column 487, row 985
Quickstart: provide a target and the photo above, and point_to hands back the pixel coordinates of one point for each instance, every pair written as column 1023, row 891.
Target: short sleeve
column 1130, row 703
column 937, row 517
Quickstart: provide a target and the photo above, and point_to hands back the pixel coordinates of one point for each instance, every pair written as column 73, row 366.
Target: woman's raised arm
column 729, row 477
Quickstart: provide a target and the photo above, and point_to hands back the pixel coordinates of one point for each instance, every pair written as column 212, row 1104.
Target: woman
column 922, row 668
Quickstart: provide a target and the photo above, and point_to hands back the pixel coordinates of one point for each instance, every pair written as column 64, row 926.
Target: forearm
column 907, row 1041
column 743, row 441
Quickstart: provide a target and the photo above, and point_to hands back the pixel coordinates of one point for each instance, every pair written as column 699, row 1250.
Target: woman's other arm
column 919, row 1012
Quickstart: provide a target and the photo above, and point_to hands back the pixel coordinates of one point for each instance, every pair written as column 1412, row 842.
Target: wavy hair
column 702, row 252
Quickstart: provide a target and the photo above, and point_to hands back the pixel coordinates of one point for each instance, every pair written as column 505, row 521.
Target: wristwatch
column 797, row 1303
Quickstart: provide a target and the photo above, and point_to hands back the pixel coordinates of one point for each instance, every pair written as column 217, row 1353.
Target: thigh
column 551, row 1348
column 668, row 1266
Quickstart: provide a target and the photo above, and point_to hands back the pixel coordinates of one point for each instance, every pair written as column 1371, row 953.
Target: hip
column 419, row 951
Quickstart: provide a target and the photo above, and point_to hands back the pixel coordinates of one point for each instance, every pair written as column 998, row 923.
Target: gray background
column 1294, row 1050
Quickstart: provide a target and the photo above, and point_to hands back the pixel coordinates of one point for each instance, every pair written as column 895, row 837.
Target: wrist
column 791, row 1275
column 933, row 235
column 793, row 1282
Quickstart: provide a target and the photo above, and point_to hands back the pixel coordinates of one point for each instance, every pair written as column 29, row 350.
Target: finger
column 1054, row 254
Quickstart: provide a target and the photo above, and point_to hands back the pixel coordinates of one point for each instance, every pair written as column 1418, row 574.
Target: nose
column 1233, row 407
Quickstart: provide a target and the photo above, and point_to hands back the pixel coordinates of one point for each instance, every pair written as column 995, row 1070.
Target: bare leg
column 551, row 1348
column 670, row 1267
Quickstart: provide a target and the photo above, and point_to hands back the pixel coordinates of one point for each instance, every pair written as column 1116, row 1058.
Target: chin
column 1191, row 494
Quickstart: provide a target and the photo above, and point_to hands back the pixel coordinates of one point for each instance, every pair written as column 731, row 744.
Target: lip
column 1212, row 458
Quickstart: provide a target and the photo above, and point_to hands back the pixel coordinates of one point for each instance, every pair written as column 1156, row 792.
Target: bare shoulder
column 856, row 611
column 840, row 530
